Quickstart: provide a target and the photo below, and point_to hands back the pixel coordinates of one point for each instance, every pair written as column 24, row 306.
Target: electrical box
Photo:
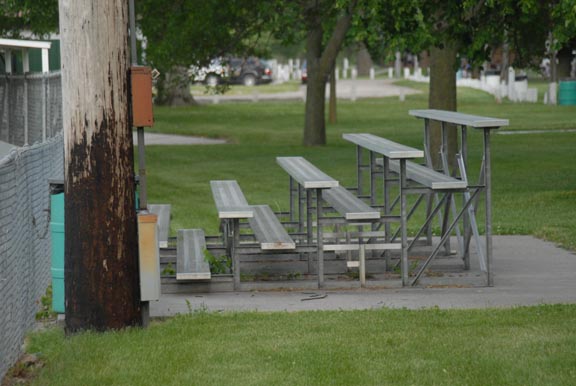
column 141, row 82
column 149, row 256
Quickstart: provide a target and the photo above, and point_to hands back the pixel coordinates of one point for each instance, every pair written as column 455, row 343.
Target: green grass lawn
column 520, row 346
column 534, row 175
column 534, row 193
column 235, row 89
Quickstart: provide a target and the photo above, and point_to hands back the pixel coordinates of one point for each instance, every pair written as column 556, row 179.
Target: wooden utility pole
column 101, row 244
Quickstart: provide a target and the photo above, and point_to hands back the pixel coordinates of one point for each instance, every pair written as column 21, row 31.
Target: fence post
column 45, row 70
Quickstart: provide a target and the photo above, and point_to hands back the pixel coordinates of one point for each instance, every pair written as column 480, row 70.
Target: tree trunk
column 320, row 63
column 564, row 66
column 173, row 88
column 505, row 61
column 315, row 123
column 101, row 247
column 398, row 65
column 442, row 97
column 364, row 61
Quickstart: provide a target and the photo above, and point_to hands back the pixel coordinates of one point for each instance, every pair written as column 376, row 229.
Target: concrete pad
column 527, row 271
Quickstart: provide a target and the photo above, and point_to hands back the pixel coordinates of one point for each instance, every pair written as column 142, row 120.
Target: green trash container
column 567, row 92
column 57, row 235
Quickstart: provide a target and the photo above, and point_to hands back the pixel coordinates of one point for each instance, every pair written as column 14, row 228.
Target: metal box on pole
column 141, row 83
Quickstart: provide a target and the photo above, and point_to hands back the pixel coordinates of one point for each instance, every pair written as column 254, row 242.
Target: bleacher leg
column 362, row 259
column 319, row 236
column 309, row 216
column 488, row 203
column 235, row 256
column 387, row 210
column 403, row 225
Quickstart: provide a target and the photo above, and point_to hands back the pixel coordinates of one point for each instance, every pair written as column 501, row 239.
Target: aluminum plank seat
column 190, row 262
column 306, row 174
column 229, row 199
column 232, row 204
column 344, row 202
column 269, row 231
column 232, row 207
column 426, row 176
column 163, row 213
column 348, row 205
column 383, row 146
column 459, row 118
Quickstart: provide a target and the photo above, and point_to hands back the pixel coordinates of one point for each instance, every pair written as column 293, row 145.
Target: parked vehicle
column 247, row 71
column 304, row 72
column 210, row 75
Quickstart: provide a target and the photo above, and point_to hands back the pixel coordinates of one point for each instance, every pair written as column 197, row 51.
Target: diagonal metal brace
column 444, row 238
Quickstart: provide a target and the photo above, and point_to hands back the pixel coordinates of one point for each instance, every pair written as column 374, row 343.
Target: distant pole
column 332, row 101
column 101, row 244
column 143, row 204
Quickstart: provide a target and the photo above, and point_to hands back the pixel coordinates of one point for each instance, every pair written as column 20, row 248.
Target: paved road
column 527, row 271
column 345, row 89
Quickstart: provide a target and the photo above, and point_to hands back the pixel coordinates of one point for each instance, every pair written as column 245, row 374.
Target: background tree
column 323, row 25
column 182, row 33
column 322, row 47
column 469, row 28
column 37, row 16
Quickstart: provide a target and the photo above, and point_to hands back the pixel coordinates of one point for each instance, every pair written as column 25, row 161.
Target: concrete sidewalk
column 527, row 271
column 170, row 139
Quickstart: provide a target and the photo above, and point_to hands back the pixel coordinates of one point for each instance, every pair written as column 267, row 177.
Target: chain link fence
column 30, row 107
column 30, row 113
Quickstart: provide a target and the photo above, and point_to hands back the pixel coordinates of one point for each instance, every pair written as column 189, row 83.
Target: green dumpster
column 567, row 92
column 57, row 234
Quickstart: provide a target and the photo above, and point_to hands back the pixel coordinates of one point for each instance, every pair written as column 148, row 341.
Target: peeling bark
column 101, row 247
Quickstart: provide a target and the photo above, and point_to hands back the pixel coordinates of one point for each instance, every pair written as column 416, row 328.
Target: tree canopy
column 470, row 28
column 37, row 16
column 190, row 32
column 476, row 26
column 184, row 33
